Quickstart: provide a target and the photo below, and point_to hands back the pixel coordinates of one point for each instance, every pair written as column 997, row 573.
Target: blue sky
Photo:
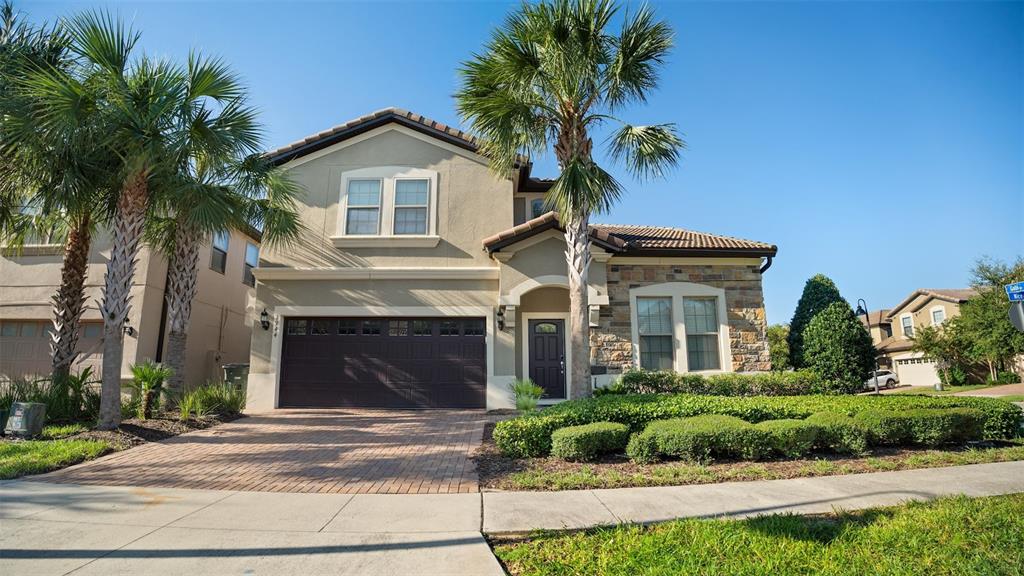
column 879, row 143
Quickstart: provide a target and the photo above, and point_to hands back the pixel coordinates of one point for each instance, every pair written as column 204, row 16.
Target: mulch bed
column 495, row 470
column 134, row 432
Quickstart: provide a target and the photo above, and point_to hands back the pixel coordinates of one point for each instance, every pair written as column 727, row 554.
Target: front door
column 547, row 356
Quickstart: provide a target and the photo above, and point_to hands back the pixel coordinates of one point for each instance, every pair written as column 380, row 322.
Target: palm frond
column 583, row 187
column 647, row 151
column 639, row 51
column 102, row 40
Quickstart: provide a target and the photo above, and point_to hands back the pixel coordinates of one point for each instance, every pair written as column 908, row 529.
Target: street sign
column 1017, row 315
column 1015, row 291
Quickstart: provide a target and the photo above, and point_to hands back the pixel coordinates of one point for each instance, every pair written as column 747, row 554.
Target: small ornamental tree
column 992, row 338
column 819, row 292
column 839, row 349
column 778, row 346
column 948, row 347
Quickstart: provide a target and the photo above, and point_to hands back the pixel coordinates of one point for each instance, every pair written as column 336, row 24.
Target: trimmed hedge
column 530, row 435
column 925, row 426
column 791, row 437
column 588, row 441
column 699, row 439
column 801, row 382
column 840, row 433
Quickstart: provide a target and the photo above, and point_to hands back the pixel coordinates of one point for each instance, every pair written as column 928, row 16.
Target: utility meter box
column 26, row 419
column 236, row 374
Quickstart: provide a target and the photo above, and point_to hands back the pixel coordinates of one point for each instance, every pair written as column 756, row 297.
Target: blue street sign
column 1016, row 297
column 1015, row 291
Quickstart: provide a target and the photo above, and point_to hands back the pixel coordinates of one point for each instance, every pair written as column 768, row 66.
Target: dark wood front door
column 547, row 356
column 384, row 363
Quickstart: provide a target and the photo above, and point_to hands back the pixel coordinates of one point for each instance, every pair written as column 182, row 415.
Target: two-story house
column 880, row 328
column 923, row 307
column 220, row 326
column 424, row 280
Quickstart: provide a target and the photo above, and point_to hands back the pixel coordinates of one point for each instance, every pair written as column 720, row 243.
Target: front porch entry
column 545, row 343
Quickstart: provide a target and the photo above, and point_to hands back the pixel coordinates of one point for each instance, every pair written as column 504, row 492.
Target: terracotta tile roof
column 640, row 239
column 876, row 317
column 894, row 344
column 955, row 295
column 368, row 122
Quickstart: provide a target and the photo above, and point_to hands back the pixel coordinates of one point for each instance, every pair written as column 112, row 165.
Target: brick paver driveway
column 342, row 451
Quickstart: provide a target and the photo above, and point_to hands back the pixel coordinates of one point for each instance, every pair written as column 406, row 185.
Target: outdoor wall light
column 265, row 319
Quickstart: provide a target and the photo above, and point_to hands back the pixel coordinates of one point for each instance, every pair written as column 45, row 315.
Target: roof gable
column 921, row 297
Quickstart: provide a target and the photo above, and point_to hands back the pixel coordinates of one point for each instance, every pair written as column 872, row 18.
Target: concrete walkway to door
column 328, row 451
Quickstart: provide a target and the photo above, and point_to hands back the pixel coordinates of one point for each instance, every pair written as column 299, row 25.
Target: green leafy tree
column 948, row 347
column 819, row 292
column 984, row 318
column 550, row 76
column 778, row 346
column 838, row 348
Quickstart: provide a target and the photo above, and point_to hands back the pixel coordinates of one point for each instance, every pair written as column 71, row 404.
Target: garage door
column 25, row 348
column 384, row 363
column 916, row 372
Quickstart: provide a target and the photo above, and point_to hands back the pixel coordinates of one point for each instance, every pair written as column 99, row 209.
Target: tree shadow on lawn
column 819, row 528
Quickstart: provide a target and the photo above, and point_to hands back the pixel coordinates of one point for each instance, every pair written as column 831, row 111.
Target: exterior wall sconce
column 506, row 317
column 265, row 320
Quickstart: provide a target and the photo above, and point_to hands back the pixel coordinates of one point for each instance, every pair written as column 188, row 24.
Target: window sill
column 385, row 241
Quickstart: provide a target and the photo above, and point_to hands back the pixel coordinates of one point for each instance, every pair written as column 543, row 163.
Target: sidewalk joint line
column 343, row 506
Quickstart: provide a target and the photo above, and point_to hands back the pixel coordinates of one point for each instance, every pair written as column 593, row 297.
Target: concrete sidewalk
column 65, row 528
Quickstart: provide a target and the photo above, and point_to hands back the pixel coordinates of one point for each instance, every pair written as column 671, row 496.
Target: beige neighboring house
column 423, row 280
column 880, row 329
column 220, row 327
column 924, row 307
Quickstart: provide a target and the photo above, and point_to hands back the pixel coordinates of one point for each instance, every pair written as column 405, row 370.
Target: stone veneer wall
column 610, row 341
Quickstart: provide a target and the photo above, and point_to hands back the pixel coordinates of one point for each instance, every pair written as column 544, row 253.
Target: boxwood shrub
column 699, row 438
column 530, row 435
column 791, row 437
column 586, row 442
column 925, row 426
column 800, row 382
column 839, row 433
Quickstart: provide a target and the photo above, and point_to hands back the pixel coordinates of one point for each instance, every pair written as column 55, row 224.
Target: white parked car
column 886, row 379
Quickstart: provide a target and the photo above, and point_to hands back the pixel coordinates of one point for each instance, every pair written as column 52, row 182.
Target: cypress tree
column 838, row 348
column 819, row 292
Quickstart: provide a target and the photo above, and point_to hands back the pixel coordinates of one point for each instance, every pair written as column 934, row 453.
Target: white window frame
column 395, row 206
column 387, row 175
column 246, row 267
column 903, row 327
column 677, row 291
column 670, row 334
column 214, row 249
column 931, row 314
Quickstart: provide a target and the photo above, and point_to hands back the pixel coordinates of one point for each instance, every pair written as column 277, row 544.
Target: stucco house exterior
column 880, row 328
column 923, row 307
column 425, row 280
column 220, row 325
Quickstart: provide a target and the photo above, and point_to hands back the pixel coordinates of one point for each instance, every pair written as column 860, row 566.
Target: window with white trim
column 537, row 208
column 362, row 213
column 412, row 205
column 219, row 252
column 938, row 316
column 700, row 318
column 252, row 260
column 654, row 323
column 907, row 323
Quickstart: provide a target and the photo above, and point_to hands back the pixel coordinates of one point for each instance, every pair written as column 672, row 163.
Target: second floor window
column 908, row 326
column 537, row 208
column 219, row 252
column 938, row 316
column 252, row 259
column 412, row 201
column 363, row 216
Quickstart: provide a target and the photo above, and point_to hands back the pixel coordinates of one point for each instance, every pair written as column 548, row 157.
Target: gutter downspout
column 767, row 264
column 159, row 356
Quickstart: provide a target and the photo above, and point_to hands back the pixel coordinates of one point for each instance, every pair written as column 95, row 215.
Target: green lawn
column 37, row 456
column 927, row 391
column 983, row 536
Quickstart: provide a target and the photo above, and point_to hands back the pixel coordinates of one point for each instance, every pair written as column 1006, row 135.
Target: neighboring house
column 924, row 307
column 880, row 329
column 219, row 331
column 424, row 280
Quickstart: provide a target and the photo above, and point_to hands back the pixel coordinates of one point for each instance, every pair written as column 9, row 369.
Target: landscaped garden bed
column 688, row 439
column 948, row 536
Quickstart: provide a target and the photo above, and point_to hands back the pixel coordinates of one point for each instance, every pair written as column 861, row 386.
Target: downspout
column 163, row 318
column 767, row 264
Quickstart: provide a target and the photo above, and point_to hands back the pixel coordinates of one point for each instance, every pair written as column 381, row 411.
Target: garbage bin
column 236, row 374
column 938, row 386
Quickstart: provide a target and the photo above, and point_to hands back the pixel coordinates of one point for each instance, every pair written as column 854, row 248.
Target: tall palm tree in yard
column 54, row 182
column 219, row 182
column 550, row 77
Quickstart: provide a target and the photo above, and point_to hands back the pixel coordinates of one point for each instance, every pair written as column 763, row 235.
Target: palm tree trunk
column 128, row 227
column 181, row 290
column 69, row 300
column 577, row 254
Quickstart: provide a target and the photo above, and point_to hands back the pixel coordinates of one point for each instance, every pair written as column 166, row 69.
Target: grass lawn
column 928, row 391
column 38, row 456
column 1013, row 398
column 949, row 536
column 617, row 472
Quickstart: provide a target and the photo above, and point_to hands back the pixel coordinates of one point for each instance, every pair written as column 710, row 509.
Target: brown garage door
column 384, row 363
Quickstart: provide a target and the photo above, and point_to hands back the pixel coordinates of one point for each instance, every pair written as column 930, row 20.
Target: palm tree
column 220, row 182
column 55, row 175
column 548, row 78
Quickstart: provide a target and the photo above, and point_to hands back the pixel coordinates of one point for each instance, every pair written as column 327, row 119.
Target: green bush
column 801, row 382
column 526, row 394
column 925, row 426
column 212, row 398
column 839, row 433
column 818, row 293
column 791, row 437
column 527, row 436
column 838, row 348
column 699, row 439
column 69, row 399
column 885, row 427
column 1006, row 378
column 586, row 442
column 148, row 383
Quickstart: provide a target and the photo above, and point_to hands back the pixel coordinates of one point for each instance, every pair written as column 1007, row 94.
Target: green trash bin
column 236, row 374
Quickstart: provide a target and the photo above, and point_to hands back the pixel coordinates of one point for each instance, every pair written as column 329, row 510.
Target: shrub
column 791, row 437
column 212, row 398
column 838, row 348
column 801, row 382
column 926, row 426
column 615, row 387
column 148, row 382
column 69, row 399
column 819, row 292
column 526, row 394
column 642, row 448
column 586, row 442
column 885, row 427
column 530, row 435
column 839, row 433
column 701, row 438
column 1007, row 378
